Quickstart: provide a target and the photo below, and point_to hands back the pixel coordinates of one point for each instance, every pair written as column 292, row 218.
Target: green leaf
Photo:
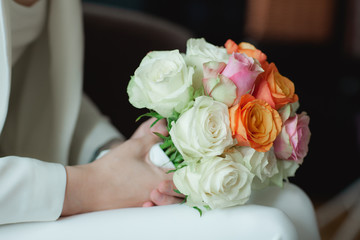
column 175, row 115
column 199, row 92
column 170, row 151
column 178, row 160
column 167, row 143
column 173, row 155
column 183, row 164
column 154, row 122
column 185, row 199
column 207, row 207
column 179, row 165
column 199, row 210
column 150, row 114
column 177, row 191
column 172, row 119
column 160, row 135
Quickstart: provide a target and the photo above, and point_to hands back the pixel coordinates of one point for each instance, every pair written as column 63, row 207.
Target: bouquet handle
column 158, row 157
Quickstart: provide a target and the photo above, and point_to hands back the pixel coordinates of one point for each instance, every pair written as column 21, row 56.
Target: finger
column 160, row 127
column 143, row 129
column 150, row 138
column 148, row 204
column 169, row 188
column 146, row 129
column 162, row 199
column 145, row 140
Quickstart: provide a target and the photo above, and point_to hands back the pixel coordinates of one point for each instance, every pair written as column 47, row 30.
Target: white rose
column 289, row 110
column 262, row 164
column 217, row 182
column 198, row 52
column 203, row 130
column 162, row 82
column 287, row 169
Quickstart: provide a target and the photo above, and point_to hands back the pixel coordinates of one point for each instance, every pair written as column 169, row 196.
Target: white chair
column 272, row 213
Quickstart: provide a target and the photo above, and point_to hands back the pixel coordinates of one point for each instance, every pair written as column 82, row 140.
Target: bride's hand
column 164, row 194
column 124, row 177
column 121, row 178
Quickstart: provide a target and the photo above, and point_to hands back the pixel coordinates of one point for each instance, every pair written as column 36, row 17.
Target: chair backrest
column 115, row 42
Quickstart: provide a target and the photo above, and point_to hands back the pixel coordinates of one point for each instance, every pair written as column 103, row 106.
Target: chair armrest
column 278, row 217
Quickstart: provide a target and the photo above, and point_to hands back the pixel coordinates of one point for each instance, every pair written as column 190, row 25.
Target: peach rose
column 274, row 88
column 254, row 123
column 247, row 48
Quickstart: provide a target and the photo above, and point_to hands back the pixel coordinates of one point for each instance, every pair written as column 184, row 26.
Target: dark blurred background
column 315, row 43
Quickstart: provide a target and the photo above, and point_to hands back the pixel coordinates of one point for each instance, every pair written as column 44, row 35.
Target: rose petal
column 243, row 71
column 263, row 92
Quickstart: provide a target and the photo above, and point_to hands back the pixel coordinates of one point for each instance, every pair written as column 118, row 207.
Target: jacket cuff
column 31, row 190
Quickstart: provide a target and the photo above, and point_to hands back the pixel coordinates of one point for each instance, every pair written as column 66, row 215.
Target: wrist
column 78, row 190
column 106, row 147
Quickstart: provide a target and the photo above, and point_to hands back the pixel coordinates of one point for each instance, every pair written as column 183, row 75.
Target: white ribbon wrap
column 159, row 158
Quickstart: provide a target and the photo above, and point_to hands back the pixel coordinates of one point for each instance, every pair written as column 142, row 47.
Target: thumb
column 160, row 127
column 150, row 138
column 146, row 129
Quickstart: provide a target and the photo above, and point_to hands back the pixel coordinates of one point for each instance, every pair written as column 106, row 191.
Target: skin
column 122, row 178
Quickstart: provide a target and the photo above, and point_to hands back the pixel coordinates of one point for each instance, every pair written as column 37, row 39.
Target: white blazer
column 44, row 116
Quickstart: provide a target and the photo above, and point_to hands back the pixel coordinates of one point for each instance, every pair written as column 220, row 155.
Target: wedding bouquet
column 232, row 120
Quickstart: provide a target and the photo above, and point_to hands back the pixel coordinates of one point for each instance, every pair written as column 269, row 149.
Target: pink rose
column 217, row 85
column 243, row 71
column 292, row 142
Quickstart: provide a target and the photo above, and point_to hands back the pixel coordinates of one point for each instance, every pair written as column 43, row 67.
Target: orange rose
column 274, row 88
column 247, row 48
column 254, row 123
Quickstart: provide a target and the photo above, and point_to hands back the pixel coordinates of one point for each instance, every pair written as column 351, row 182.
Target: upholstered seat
column 274, row 213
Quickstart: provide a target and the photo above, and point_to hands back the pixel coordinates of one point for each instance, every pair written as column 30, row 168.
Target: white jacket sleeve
column 30, row 190
column 92, row 131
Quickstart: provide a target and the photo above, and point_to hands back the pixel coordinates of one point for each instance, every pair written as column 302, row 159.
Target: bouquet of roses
column 231, row 116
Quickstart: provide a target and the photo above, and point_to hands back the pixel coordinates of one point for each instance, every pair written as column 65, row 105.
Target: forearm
column 107, row 183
